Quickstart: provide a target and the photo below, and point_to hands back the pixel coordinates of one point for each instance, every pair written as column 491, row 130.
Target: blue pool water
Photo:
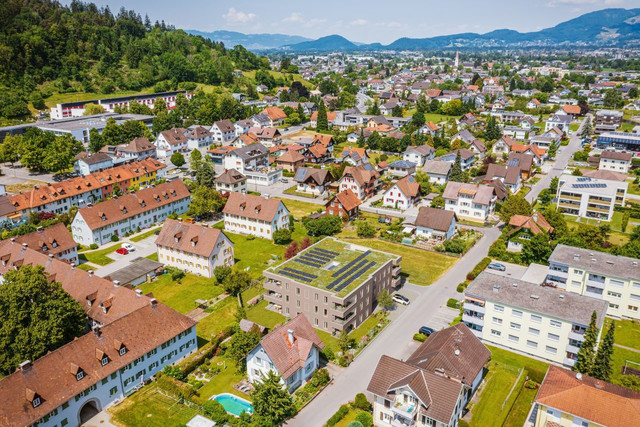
column 234, row 404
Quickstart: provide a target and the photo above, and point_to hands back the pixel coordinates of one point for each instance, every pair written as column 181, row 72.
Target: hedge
column 190, row 364
column 176, row 388
column 479, row 268
column 536, row 374
column 340, row 414
column 452, row 303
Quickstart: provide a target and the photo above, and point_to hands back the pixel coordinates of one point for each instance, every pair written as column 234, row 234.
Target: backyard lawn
column 301, row 209
column 627, row 334
column 259, row 314
column 633, row 188
column 224, row 381
column 150, row 408
column 144, row 235
column 99, row 256
column 254, row 253
column 182, row 296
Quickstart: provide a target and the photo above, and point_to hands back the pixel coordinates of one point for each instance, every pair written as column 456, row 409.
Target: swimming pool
column 233, row 404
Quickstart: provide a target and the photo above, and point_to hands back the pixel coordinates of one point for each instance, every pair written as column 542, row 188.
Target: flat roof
column 545, row 300
column 333, row 265
column 596, row 186
column 136, row 269
column 598, row 262
column 89, row 122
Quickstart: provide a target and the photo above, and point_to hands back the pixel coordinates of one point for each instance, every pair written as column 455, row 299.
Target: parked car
column 497, row 266
column 284, row 180
column 425, row 330
column 122, row 251
column 128, row 246
column 401, row 299
column 190, row 220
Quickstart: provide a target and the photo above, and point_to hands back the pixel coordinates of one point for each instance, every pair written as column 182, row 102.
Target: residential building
column 276, row 116
column 199, row 137
column 290, row 160
column 429, row 128
column 87, row 162
column 243, row 126
column 478, row 148
column 572, row 111
column 518, row 133
column 619, row 141
column 142, row 209
column 561, row 121
column 333, row 283
column 503, row 145
column 353, row 156
column 437, row 170
column 509, row 175
column 193, row 248
column 469, row 201
column 223, row 131
column 435, row 224
column 401, row 168
column 403, row 194
column 523, row 161
column 253, row 162
column 607, row 120
column 615, row 161
column 292, row 351
column 530, row 319
column 59, row 197
column 363, row 180
column 418, row 155
column 172, row 141
column 433, row 386
column 590, row 197
column 313, row 181
column 343, row 204
column 133, row 337
column 231, row 180
column 467, row 158
column 138, row 149
column 218, row 154
column 616, row 279
column 254, row 215
column 54, row 241
column 568, row 399
column 524, row 227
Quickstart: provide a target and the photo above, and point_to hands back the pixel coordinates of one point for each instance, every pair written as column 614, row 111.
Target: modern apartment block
column 334, row 283
column 535, row 320
column 615, row 279
column 590, row 197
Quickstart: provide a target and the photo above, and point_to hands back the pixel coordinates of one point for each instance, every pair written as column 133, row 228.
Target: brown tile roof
column 50, row 240
column 508, row 140
column 274, row 113
column 594, row 400
column 225, row 125
column 175, row 136
column 361, row 174
column 129, row 205
column 254, row 207
column 525, row 161
column 510, row 174
column 6, row 208
column 190, row 238
column 264, row 133
column 318, row 151
column 616, row 155
column 571, row 109
column 437, row 167
column 231, row 176
column 436, row 219
column 331, row 116
column 347, row 199
column 536, row 223
column 137, row 145
column 288, row 356
column 482, row 193
column 605, row 174
column 202, row 132
column 456, row 350
column 408, row 186
column 92, row 158
column 323, row 139
column 432, row 126
column 318, row 176
column 56, row 191
column 290, row 156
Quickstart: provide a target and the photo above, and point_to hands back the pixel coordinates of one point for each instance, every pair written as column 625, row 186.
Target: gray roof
column 437, row 167
column 423, row 150
column 482, row 194
column 539, row 299
column 250, row 151
column 131, row 272
column 597, row 262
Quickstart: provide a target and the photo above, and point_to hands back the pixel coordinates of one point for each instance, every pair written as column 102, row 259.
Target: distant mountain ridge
column 250, row 41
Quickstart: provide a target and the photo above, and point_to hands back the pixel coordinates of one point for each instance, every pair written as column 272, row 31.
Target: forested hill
column 48, row 47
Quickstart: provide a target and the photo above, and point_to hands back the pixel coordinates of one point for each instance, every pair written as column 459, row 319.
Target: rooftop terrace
column 333, row 265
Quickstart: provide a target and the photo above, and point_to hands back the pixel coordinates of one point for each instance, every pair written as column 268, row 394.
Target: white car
column 128, row 246
column 401, row 299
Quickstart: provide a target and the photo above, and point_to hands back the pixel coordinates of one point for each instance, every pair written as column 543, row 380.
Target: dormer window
column 80, row 375
column 104, row 361
column 104, row 217
column 123, row 351
column 54, row 244
column 124, row 210
column 36, row 402
column 44, row 248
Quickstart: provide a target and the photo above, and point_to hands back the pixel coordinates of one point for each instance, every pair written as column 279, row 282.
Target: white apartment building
column 590, row 197
column 255, row 215
column 193, row 248
column 615, row 161
column 469, row 201
column 253, row 162
column 231, row 180
column 97, row 223
column 615, row 279
column 529, row 319
column 223, row 131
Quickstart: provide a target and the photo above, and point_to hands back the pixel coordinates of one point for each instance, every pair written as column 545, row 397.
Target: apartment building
column 590, row 197
column 54, row 241
column 529, row 319
column 118, row 216
column 223, row 131
column 615, row 161
column 255, row 215
column 607, row 120
column 193, row 248
column 231, row 180
column 133, row 337
column 334, row 283
column 363, row 180
column 172, row 141
column 469, row 201
column 615, row 279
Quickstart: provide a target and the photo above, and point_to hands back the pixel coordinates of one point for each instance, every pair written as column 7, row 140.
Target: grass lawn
column 301, row 209
column 182, row 296
column 421, row 267
column 254, row 253
column 224, row 381
column 144, row 235
column 100, row 256
column 431, row 117
column 615, row 237
column 332, row 342
column 574, row 127
column 518, row 414
column 278, row 74
column 633, row 188
column 153, row 256
column 351, row 416
column 259, row 314
column 620, row 357
column 85, row 267
column 616, row 223
column 523, row 191
column 627, row 332
column 149, row 408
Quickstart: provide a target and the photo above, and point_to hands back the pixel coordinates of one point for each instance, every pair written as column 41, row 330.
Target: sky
column 364, row 21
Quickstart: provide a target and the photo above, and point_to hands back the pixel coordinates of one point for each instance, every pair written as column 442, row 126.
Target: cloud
column 234, row 16
column 554, row 3
column 359, row 22
column 297, row 18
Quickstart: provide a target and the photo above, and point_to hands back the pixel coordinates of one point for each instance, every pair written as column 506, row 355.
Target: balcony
column 568, row 205
column 569, row 362
column 559, row 273
column 577, row 198
column 341, row 308
column 576, row 336
column 404, row 410
column 468, row 305
column 572, row 349
column 594, row 209
column 402, row 422
column 587, row 293
column 473, row 319
column 274, row 295
column 344, row 320
column 595, row 283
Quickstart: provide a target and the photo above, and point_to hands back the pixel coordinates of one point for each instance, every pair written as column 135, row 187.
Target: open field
column 182, row 296
column 301, row 209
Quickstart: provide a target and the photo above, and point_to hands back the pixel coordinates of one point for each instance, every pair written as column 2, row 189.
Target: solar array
column 295, row 276
column 584, row 178
column 316, row 258
column 348, row 273
column 301, row 273
column 355, row 276
column 589, row 185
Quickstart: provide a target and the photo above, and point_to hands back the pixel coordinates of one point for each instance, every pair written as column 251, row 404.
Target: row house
column 54, row 241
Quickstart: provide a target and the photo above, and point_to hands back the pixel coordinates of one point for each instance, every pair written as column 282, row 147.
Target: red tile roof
column 190, row 238
column 347, row 199
column 254, row 207
column 50, row 240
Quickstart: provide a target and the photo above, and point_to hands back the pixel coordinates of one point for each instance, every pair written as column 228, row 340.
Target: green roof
column 333, row 265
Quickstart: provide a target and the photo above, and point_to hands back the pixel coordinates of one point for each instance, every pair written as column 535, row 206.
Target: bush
column 365, row 418
column 455, row 246
column 452, row 303
column 361, row 402
column 282, row 236
column 215, row 411
column 323, row 226
column 479, row 268
column 176, row 274
column 340, row 414
column 355, row 424
column 93, row 246
column 536, row 374
column 173, row 372
column 114, row 238
column 462, row 423
column 320, row 378
column 327, row 354
column 419, row 337
column 221, row 272
column 365, row 230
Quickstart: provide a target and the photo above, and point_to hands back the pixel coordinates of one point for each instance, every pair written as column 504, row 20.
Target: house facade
column 469, row 201
column 344, row 203
column 54, row 241
column 615, row 161
column 255, row 215
column 223, row 131
column 590, row 197
column 437, row 171
column 362, row 180
column 418, row 155
column 435, row 224
column 403, row 194
column 172, row 141
column 231, row 180
column 313, row 181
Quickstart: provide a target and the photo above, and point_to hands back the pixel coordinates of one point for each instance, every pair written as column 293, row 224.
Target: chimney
column 25, row 366
column 154, row 302
column 24, row 245
column 116, row 283
column 13, row 239
column 40, row 229
column 90, row 272
column 51, row 256
column 290, row 336
column 97, row 331
column 138, row 292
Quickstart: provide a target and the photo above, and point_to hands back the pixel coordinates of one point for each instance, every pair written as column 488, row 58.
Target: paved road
column 361, row 101
column 396, row 339
column 19, row 174
column 143, row 248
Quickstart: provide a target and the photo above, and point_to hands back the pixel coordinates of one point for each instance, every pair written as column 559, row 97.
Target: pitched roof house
column 403, row 194
column 343, row 203
column 54, row 240
column 432, row 223
column 363, row 180
column 418, row 154
column 255, row 215
column 290, row 160
column 275, row 114
column 231, row 180
column 312, row 180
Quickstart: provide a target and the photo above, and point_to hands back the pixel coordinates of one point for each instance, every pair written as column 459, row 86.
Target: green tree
column 272, row 403
column 206, row 174
column 385, row 300
column 37, row 316
column 241, row 344
column 61, row 152
column 221, row 272
column 195, row 158
column 396, row 111
column 365, row 230
column 282, row 236
column 602, row 368
column 160, row 122
column 10, row 148
column 236, row 282
column 345, row 342
column 95, row 140
column 322, row 123
column 587, row 351
column 418, row 119
column 177, row 159
column 111, row 134
column 537, row 249
column 587, row 129
column 613, row 99
column 159, row 106
column 456, row 170
column 323, row 226
column 91, row 109
column 437, row 202
column 204, row 201
column 514, row 205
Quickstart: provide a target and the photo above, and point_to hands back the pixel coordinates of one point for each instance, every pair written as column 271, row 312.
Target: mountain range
column 607, row 27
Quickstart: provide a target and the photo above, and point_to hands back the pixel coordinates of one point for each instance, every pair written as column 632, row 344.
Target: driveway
column 513, row 270
column 144, row 248
column 396, row 339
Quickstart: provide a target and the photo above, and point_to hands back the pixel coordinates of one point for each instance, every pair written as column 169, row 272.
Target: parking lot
column 513, row 270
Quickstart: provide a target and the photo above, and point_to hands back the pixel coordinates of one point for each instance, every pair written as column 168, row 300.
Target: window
column 113, row 391
column 576, row 283
column 64, row 422
column 614, row 306
column 495, row 333
column 614, row 294
column 555, row 323
column 123, row 350
column 65, row 405
column 532, row 344
column 632, row 308
column 515, row 326
column 576, row 271
column 79, row 375
column 105, row 360
column 497, row 321
column 105, row 380
column 36, row 402
column 513, row 338
column 516, row 313
column 536, row 318
column 534, row 331
column 551, row 350
column 499, row 308
column 553, row 337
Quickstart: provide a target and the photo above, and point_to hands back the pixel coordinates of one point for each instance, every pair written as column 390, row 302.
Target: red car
column 122, row 251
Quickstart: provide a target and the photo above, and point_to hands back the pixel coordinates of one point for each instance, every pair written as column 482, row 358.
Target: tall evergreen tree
column 271, row 402
column 322, row 122
column 456, row 169
column 587, row 351
column 602, row 365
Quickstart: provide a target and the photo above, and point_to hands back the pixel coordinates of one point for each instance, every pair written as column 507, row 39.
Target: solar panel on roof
column 295, row 276
column 300, row 174
column 310, row 260
column 337, row 273
column 355, row 276
column 326, row 251
column 301, row 273
column 367, row 166
column 347, row 274
column 310, row 264
column 410, row 179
